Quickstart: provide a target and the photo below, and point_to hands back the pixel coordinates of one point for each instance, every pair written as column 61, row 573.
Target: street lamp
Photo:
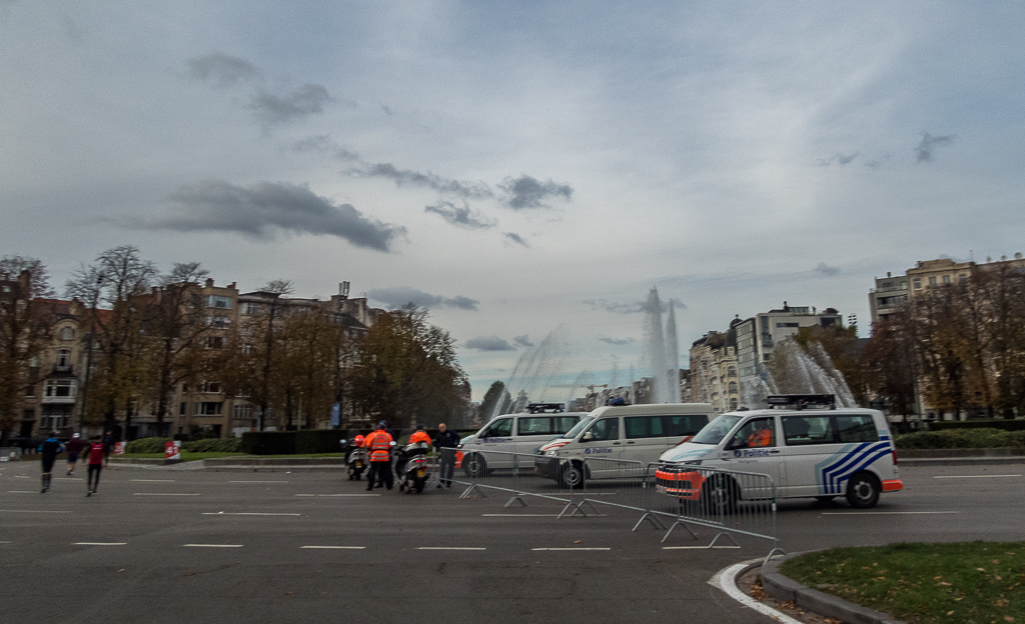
column 89, row 353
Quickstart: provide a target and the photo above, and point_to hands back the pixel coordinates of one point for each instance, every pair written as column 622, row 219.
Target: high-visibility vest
column 419, row 436
column 762, row 437
column 379, row 443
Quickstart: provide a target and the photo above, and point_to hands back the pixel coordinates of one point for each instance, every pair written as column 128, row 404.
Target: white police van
column 633, row 435
column 513, row 433
column 808, row 446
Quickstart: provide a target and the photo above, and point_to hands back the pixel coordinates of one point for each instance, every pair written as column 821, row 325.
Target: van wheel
column 863, row 490
column 719, row 495
column 475, row 466
column 572, row 476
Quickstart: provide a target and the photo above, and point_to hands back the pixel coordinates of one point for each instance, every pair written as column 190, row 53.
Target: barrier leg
column 678, row 522
column 651, row 518
column 510, row 502
column 732, row 539
column 473, row 488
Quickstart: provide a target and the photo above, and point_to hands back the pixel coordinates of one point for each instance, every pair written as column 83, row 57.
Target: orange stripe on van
column 893, row 485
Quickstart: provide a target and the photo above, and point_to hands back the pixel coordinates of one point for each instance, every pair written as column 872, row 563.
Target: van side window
column 562, row 424
column 536, row 426
column 857, row 428
column 500, row 429
column 643, row 426
column 804, row 430
column 605, row 429
column 683, row 425
column 755, row 433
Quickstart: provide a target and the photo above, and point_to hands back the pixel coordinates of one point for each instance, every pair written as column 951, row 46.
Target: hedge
column 212, row 445
column 961, row 438
column 1004, row 425
column 269, row 442
column 308, row 441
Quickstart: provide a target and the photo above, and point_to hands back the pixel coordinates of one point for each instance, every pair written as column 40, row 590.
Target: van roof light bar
column 802, row 401
column 545, row 408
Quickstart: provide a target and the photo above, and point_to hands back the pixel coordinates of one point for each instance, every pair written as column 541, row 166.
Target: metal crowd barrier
column 496, row 471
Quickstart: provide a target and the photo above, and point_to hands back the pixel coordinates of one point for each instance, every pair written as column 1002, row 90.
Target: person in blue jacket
column 49, row 449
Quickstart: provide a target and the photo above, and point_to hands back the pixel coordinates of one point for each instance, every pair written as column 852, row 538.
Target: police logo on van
column 739, row 453
column 596, row 451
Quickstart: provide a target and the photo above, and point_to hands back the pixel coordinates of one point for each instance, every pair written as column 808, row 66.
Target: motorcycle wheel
column 420, row 485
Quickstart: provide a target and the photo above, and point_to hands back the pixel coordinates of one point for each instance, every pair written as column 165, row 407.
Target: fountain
column 795, row 371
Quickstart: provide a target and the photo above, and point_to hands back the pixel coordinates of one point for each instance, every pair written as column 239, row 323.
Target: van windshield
column 715, row 431
column 580, row 426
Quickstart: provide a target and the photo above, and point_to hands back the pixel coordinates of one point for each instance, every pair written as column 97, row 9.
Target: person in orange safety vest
column 379, row 444
column 760, row 438
column 419, row 436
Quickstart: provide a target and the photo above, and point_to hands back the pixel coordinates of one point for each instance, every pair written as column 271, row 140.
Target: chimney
column 231, row 286
column 887, row 274
column 209, row 282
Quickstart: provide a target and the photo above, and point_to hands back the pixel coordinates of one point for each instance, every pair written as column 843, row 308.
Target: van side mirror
column 587, row 437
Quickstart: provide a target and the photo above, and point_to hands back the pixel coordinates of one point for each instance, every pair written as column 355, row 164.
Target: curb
column 961, row 461
column 786, row 588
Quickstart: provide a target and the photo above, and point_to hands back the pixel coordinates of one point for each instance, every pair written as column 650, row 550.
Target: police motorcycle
column 414, row 474
column 356, row 461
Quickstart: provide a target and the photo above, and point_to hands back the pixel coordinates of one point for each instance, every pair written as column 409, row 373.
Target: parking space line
column 98, row 543
column 163, row 494
column 571, row 549
column 246, row 513
column 449, row 548
column 884, row 513
column 31, row 511
column 257, row 481
column 973, row 476
column 335, row 547
column 212, row 545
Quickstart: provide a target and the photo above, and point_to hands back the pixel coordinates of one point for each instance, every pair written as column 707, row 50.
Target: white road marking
column 257, row 481
column 163, row 494
column 571, row 549
column 67, row 478
column 336, row 547
column 884, row 513
column 30, row 511
column 246, row 513
column 22, row 492
column 695, row 547
column 448, row 548
column 154, row 480
column 725, row 580
column 21, row 477
column 520, row 515
column 212, row 545
column 5, row 542
column 98, row 543
column 973, row 476
column 356, row 495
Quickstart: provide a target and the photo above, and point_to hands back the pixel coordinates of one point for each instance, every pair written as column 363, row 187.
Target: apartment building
column 713, row 371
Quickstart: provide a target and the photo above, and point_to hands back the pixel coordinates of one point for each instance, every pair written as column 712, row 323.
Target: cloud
column 408, row 177
column 489, row 343
column 839, row 159
column 516, row 238
column 222, row 70
column 272, row 109
column 401, row 295
column 463, row 217
column 827, row 270
column 526, row 192
column 267, row 207
column 322, row 144
column 523, row 341
column 925, row 147
column 617, row 341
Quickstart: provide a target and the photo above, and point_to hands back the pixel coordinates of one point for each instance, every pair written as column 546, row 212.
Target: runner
column 50, row 448
column 95, row 464
column 75, row 446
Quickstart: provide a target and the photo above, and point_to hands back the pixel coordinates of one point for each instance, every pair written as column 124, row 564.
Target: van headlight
column 693, row 462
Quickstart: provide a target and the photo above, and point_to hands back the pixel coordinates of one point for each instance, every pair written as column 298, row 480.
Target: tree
column 889, row 360
column 406, row 370
column 25, row 320
column 491, row 399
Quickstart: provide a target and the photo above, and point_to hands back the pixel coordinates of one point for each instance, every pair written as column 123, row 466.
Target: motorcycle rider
column 379, row 444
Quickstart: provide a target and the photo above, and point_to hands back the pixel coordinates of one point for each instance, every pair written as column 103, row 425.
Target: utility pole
column 89, row 353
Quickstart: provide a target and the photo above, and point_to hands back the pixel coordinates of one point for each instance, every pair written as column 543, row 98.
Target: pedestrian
column 446, row 439
column 50, row 448
column 96, row 452
column 379, row 444
column 108, row 445
column 75, row 446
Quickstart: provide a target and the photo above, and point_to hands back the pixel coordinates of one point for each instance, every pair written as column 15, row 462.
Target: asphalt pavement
column 225, row 547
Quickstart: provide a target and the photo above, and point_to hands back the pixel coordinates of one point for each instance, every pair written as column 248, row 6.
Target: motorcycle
column 356, row 462
column 415, row 474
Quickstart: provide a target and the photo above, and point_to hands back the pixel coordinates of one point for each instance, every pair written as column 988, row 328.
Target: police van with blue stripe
column 808, row 446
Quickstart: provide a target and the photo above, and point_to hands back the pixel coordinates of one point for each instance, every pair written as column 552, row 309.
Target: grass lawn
column 963, row 583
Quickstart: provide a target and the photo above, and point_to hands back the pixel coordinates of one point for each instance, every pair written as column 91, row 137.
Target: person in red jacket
column 379, row 444
column 96, row 453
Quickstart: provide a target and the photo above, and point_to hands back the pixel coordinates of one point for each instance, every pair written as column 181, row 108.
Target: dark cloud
column 838, row 159
column 516, row 238
column 929, row 143
column 322, row 144
column 489, row 343
column 222, row 70
column 267, row 207
column 526, row 192
column 617, row 341
column 408, row 177
column 273, row 109
column 401, row 295
column 461, row 216
column 523, row 341
column 827, row 270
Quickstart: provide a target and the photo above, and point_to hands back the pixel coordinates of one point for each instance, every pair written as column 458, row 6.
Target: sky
column 519, row 167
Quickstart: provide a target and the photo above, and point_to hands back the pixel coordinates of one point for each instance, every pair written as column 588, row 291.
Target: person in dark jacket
column 75, row 446
column 446, row 439
column 50, row 449
column 108, row 446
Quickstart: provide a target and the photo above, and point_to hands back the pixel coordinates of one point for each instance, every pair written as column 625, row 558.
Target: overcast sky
column 519, row 166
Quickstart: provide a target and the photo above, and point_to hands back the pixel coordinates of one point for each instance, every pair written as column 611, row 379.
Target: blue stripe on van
column 834, row 475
